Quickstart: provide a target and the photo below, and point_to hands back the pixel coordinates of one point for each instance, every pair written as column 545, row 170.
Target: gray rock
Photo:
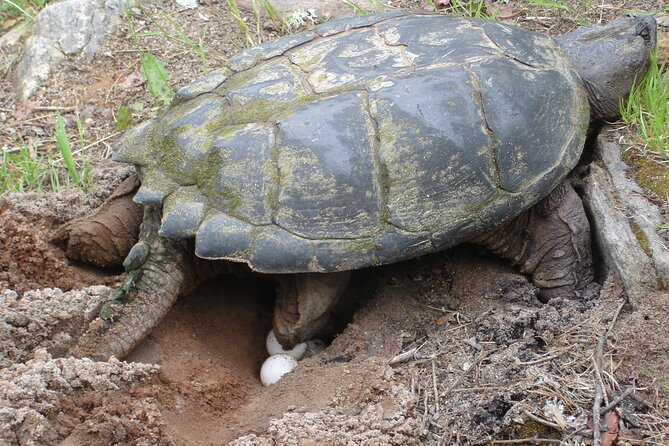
column 61, row 29
column 625, row 224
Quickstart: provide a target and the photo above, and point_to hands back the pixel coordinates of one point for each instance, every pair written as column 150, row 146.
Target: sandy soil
column 489, row 363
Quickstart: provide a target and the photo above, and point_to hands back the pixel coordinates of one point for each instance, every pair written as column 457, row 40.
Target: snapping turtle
column 366, row 141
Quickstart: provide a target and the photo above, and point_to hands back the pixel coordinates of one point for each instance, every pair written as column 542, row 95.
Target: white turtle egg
column 275, row 367
column 275, row 348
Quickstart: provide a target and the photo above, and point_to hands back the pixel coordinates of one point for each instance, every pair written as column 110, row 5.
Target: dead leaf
column 502, row 10
column 25, row 109
column 611, row 420
column 133, row 79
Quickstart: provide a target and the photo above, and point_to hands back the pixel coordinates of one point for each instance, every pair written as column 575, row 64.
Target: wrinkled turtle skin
column 329, row 150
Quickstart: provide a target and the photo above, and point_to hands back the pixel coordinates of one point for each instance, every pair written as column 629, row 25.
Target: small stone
column 187, row 4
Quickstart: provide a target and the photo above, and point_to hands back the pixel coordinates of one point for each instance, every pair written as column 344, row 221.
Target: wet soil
column 453, row 348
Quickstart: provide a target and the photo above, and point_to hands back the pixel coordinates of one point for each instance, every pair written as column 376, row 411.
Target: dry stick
column 434, row 384
column 617, row 400
column 599, row 386
column 478, row 358
column 54, row 108
column 596, row 407
column 544, row 359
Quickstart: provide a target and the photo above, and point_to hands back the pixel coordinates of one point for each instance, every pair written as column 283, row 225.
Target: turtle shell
column 365, row 141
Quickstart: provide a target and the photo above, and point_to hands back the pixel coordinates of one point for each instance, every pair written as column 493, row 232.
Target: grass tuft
column 647, row 108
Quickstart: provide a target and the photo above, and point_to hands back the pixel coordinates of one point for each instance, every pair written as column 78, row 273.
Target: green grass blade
column 359, row 9
column 65, row 150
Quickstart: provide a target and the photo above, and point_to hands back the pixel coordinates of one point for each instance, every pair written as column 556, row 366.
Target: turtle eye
column 644, row 32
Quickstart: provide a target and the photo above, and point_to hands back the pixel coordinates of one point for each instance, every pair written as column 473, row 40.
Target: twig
column 54, row 108
column 403, row 357
column 434, row 384
column 596, row 407
column 480, row 356
column 478, row 389
column 94, row 143
column 617, row 400
column 599, row 385
column 544, row 359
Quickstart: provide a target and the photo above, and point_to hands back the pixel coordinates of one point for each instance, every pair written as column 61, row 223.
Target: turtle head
column 610, row 58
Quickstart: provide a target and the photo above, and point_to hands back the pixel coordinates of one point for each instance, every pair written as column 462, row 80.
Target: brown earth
column 488, row 353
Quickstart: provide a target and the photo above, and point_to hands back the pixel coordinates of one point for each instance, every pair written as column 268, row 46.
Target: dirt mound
column 79, row 401
column 47, row 318
column 28, row 258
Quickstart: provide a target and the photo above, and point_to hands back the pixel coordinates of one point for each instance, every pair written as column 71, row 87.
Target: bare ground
column 489, row 363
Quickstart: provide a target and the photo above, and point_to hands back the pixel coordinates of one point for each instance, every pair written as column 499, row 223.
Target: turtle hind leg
column 304, row 305
column 159, row 270
column 105, row 237
column 551, row 242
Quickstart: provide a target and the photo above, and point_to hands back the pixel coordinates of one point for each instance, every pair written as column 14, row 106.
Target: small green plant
column 152, row 68
column 259, row 7
column 157, row 78
column 270, row 10
column 80, row 176
column 465, row 8
column 469, row 8
column 647, row 108
column 123, row 118
column 299, row 18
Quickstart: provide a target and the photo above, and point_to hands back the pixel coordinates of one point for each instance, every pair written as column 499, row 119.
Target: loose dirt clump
column 47, row 318
column 78, row 401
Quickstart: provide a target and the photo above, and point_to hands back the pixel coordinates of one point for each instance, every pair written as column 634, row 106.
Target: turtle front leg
column 304, row 305
column 158, row 271
column 106, row 236
column 550, row 241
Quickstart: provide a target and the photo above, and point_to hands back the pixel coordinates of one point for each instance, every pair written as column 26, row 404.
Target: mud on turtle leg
column 551, row 242
column 104, row 237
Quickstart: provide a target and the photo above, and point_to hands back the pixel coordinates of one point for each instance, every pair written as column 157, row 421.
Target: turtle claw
column 137, row 256
column 120, row 296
